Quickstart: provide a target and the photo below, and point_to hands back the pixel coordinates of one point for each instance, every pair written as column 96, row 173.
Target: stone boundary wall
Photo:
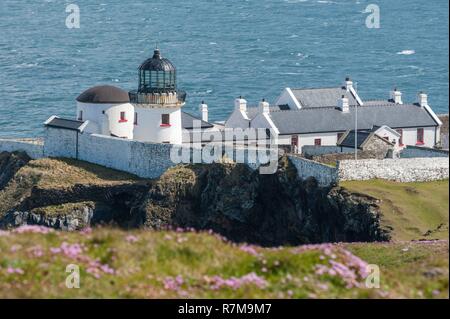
column 33, row 147
column 416, row 151
column 400, row 170
column 313, row 150
column 324, row 174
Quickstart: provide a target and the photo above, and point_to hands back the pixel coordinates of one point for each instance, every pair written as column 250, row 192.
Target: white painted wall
column 105, row 118
column 410, row 136
column 149, row 129
column 328, row 139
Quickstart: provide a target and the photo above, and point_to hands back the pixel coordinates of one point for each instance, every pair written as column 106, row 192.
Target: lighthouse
column 157, row 102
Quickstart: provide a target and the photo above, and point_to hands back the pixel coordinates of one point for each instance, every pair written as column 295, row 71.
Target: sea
column 222, row 49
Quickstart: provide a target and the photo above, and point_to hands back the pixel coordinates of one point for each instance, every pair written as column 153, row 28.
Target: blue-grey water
column 222, row 49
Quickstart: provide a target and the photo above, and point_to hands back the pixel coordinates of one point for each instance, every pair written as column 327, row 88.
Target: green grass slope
column 142, row 264
column 412, row 210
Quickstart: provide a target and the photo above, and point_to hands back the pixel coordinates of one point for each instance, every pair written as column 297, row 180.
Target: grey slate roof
column 331, row 119
column 322, row 96
column 254, row 110
column 67, row 124
column 187, row 121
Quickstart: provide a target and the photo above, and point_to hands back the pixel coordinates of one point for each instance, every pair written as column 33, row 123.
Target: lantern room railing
column 174, row 98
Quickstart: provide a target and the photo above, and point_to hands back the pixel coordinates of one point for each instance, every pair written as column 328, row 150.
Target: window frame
column 123, row 117
column 165, row 120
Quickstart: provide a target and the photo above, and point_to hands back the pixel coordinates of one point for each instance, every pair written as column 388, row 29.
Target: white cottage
column 320, row 116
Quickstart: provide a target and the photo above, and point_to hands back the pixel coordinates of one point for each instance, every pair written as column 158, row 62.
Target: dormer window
column 123, row 117
column 165, row 119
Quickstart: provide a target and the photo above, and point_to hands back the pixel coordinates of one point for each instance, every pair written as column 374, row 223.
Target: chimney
column 204, row 111
column 240, row 104
column 348, row 84
column 264, row 106
column 343, row 104
column 422, row 99
column 396, row 96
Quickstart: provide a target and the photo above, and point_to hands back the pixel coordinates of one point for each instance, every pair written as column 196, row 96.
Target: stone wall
column 313, row 150
column 33, row 147
column 324, row 174
column 415, row 151
column 401, row 170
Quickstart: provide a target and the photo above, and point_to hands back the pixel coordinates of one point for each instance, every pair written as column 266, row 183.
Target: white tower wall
column 149, row 126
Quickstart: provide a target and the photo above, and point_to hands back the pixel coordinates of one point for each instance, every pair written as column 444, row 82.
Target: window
column 318, row 141
column 419, row 136
column 165, row 119
column 339, row 135
column 123, row 117
column 80, row 116
column 294, row 140
column 135, row 118
column 400, row 140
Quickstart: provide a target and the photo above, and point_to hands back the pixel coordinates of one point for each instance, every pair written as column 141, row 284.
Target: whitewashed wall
column 410, row 136
column 324, row 174
column 149, row 127
column 60, row 143
column 34, row 149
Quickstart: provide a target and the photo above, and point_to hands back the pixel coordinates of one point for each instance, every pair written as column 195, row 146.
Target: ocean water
column 222, row 49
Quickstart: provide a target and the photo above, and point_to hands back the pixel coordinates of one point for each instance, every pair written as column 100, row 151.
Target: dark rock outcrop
column 10, row 163
column 243, row 205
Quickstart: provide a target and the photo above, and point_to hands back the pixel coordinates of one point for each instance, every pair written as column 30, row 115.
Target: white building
column 320, row 116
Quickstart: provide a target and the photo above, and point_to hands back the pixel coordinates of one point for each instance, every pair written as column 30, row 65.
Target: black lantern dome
column 158, row 83
column 157, row 74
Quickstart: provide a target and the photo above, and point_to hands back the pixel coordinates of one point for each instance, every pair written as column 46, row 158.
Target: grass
column 142, row 264
column 55, row 173
column 60, row 173
column 413, row 210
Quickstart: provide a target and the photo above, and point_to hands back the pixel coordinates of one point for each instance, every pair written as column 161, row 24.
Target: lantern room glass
column 157, row 81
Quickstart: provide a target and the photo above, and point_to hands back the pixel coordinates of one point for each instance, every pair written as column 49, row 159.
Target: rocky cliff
column 230, row 199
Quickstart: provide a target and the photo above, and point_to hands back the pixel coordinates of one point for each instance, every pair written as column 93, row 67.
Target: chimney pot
column 204, row 111
column 396, row 96
column 240, row 104
column 423, row 99
column 348, row 84
column 264, row 106
column 343, row 104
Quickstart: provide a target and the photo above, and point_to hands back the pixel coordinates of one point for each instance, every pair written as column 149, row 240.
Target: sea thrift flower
column 171, row 283
column 11, row 270
column 131, row 239
column 249, row 249
column 33, row 229
column 218, row 282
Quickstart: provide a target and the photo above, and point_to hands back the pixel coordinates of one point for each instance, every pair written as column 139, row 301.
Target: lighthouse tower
column 157, row 102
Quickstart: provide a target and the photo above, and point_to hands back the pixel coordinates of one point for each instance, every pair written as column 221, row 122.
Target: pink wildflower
column 249, row 249
column 131, row 239
column 33, row 229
